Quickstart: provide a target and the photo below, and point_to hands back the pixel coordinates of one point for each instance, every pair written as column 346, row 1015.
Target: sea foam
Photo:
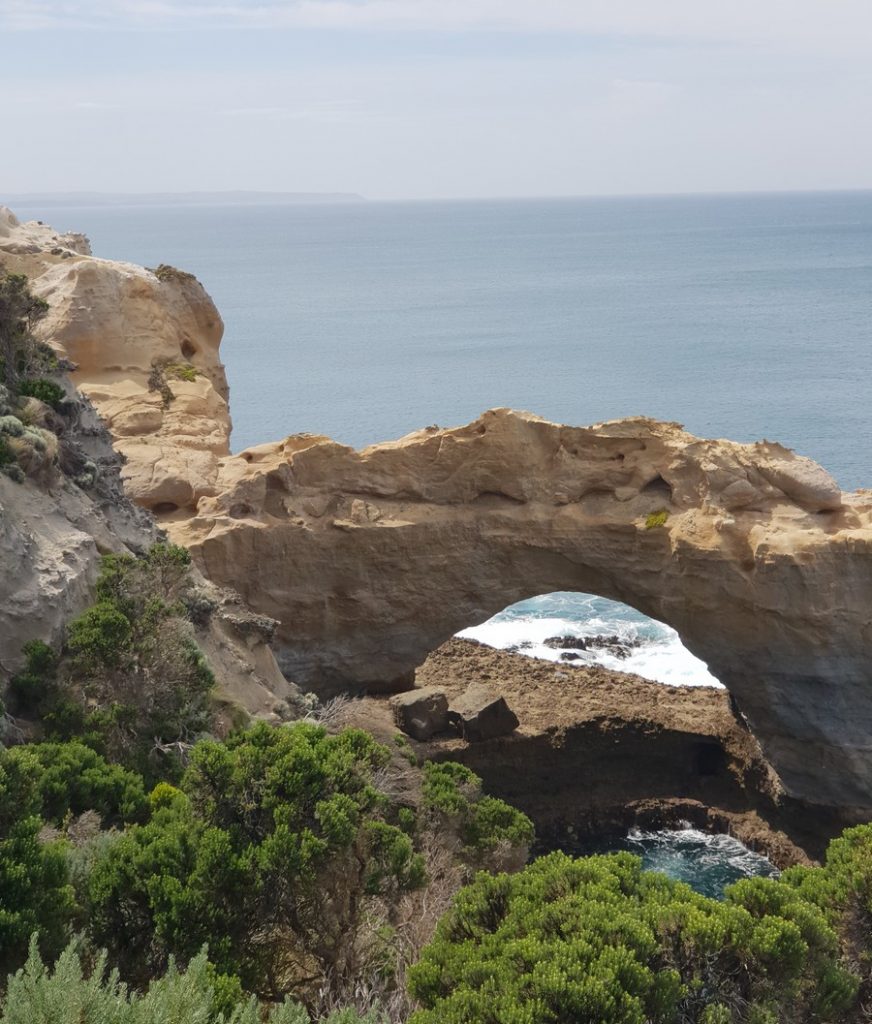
column 654, row 649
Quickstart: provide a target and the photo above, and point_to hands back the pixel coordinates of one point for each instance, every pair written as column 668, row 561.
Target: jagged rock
column 480, row 714
column 421, row 713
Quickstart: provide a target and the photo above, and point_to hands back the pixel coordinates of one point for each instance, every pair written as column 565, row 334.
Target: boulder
column 421, row 713
column 480, row 714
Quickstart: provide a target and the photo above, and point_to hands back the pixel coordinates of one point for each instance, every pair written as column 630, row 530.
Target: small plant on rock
column 656, row 519
column 45, row 390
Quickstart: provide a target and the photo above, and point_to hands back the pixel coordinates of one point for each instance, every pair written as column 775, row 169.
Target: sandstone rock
column 421, row 713
column 132, row 332
column 804, row 481
column 480, row 714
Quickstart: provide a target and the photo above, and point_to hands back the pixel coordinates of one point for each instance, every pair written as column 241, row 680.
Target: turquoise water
column 740, row 316
column 708, row 863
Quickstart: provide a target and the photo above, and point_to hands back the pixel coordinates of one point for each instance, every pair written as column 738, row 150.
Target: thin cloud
column 814, row 25
column 328, row 110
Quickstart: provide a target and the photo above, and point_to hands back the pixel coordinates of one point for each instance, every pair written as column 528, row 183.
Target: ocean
column 744, row 316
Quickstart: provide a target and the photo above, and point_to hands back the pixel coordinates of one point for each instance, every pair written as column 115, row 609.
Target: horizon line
column 81, row 194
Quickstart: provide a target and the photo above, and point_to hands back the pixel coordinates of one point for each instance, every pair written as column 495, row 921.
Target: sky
column 400, row 99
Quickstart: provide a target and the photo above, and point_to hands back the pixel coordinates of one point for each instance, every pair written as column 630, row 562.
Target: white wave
column 659, row 656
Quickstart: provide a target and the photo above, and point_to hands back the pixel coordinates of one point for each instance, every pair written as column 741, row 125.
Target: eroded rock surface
column 371, row 559
column 145, row 346
column 121, row 326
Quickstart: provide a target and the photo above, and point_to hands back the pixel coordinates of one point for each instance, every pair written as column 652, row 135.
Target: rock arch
column 371, row 559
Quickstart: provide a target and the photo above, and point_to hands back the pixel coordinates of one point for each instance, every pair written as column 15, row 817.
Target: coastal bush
column 182, row 371
column 130, row 680
column 45, row 390
column 599, row 939
column 20, row 311
column 35, row 894
column 272, row 851
column 656, row 519
column 67, row 993
column 453, row 794
column 71, row 778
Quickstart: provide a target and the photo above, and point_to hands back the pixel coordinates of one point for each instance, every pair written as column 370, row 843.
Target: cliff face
column 369, row 560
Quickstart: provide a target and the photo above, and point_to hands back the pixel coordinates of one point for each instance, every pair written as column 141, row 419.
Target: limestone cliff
column 145, row 348
column 58, row 520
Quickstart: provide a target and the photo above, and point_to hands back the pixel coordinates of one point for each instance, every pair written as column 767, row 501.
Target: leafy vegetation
column 453, row 793
column 20, row 311
column 182, row 371
column 45, row 390
column 131, row 680
column 35, row 895
column 197, row 995
column 270, row 851
column 600, row 940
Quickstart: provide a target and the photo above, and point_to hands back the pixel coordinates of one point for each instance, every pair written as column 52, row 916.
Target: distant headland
column 230, row 198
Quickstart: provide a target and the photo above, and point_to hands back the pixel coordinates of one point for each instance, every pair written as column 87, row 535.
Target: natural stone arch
column 371, row 559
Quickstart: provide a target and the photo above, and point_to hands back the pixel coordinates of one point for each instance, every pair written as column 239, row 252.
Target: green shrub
column 182, row 371
column 20, row 311
column 270, row 852
column 66, row 995
column 45, row 390
column 71, row 778
column 452, row 792
column 35, row 895
column 100, row 636
column 36, row 682
column 11, row 426
column 131, row 680
column 599, row 939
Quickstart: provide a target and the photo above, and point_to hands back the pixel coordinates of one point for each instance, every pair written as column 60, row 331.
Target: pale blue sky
column 436, row 98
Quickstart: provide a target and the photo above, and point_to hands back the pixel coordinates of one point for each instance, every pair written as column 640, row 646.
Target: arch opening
column 584, row 629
